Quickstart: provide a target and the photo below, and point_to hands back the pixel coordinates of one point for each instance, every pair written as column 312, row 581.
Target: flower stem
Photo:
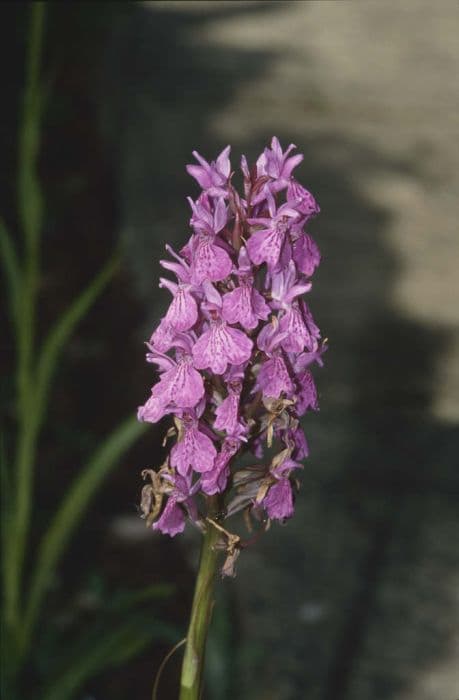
column 201, row 613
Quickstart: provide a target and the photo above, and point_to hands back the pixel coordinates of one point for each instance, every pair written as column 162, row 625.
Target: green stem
column 201, row 613
column 30, row 214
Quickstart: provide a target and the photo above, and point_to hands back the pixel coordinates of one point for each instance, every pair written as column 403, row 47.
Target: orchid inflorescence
column 234, row 350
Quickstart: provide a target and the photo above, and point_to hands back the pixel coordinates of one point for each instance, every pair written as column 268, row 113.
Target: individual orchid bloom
column 305, row 359
column 182, row 314
column 194, row 450
column 162, row 339
column 245, row 304
column 211, row 261
column 183, row 311
column 306, row 254
column 180, row 268
column 256, row 188
column 172, row 519
column 273, row 378
column 295, row 440
column 212, row 177
column 221, row 345
column 155, row 408
column 180, row 386
column 227, row 413
column 307, row 393
column 269, row 243
column 278, row 502
column 300, row 444
column 208, row 218
column 285, row 287
column 181, row 500
column 209, row 258
column 277, row 164
column 302, row 200
column 215, row 481
column 301, row 331
column 270, row 337
column 212, row 303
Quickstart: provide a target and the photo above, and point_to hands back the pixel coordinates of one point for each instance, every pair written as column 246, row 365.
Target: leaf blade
column 12, row 270
column 70, row 512
column 62, row 330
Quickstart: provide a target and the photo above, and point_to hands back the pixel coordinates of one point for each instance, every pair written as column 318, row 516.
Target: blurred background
column 357, row 596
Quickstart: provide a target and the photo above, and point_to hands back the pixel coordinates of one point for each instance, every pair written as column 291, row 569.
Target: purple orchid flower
column 221, row 345
column 278, row 502
column 180, row 386
column 299, row 443
column 270, row 244
column 305, row 359
column 245, row 304
column 215, row 480
column 195, row 450
column 307, row 393
column 302, row 200
column 209, row 259
column 181, row 500
column 306, row 254
column 278, row 165
column 212, row 177
column 162, row 339
column 182, row 314
column 208, row 218
column 235, row 348
column 273, row 379
column 285, row 287
column 227, row 414
column 172, row 520
column 152, row 410
column 299, row 328
column 183, row 311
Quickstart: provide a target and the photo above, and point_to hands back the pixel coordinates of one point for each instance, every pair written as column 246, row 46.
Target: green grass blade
column 108, row 648
column 70, row 512
column 5, row 498
column 124, row 601
column 63, row 329
column 12, row 270
column 30, row 202
column 34, row 397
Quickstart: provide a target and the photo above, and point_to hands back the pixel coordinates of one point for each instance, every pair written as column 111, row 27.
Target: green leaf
column 62, row 330
column 123, row 601
column 102, row 649
column 5, row 498
column 12, row 270
column 70, row 512
column 30, row 202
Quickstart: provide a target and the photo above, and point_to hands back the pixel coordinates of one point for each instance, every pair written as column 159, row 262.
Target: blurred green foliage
column 120, row 624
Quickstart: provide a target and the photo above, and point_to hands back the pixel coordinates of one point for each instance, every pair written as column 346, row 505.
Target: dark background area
column 356, row 597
